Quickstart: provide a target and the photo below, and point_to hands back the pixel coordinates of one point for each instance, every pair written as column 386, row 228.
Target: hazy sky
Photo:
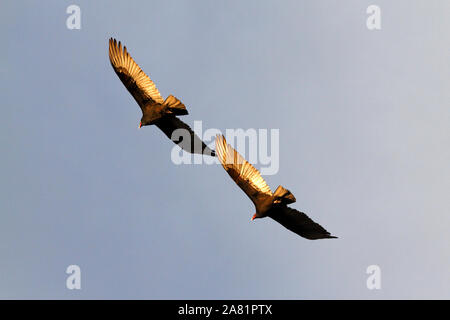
column 364, row 123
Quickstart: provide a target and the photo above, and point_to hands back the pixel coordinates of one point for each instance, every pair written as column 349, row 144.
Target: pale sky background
column 364, row 123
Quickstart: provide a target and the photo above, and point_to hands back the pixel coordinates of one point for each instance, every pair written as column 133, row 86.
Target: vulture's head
column 146, row 122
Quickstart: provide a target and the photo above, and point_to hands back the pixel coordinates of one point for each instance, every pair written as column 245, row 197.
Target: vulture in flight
column 267, row 204
column 155, row 110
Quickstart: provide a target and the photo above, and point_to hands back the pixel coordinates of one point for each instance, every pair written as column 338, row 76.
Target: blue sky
column 364, row 146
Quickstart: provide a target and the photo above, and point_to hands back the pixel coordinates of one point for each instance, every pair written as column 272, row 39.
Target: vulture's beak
column 140, row 124
column 254, row 216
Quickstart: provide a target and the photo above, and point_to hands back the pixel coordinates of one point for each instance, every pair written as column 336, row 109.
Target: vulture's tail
column 175, row 106
column 283, row 196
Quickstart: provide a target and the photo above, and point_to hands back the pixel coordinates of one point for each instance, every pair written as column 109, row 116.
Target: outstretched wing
column 135, row 80
column 242, row 172
column 299, row 223
column 185, row 137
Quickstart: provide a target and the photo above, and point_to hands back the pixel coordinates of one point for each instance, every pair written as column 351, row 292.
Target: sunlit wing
column 299, row 223
column 242, row 172
column 135, row 80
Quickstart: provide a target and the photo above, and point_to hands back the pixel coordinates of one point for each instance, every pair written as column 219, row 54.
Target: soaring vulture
column 155, row 110
column 267, row 204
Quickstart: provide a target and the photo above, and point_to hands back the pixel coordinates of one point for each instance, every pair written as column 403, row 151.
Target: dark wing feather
column 135, row 80
column 170, row 123
column 242, row 172
column 299, row 223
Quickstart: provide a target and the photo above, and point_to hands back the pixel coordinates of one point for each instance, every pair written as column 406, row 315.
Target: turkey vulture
column 155, row 110
column 267, row 204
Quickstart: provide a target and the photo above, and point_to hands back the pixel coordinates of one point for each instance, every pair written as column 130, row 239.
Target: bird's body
column 267, row 204
column 155, row 110
column 263, row 207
